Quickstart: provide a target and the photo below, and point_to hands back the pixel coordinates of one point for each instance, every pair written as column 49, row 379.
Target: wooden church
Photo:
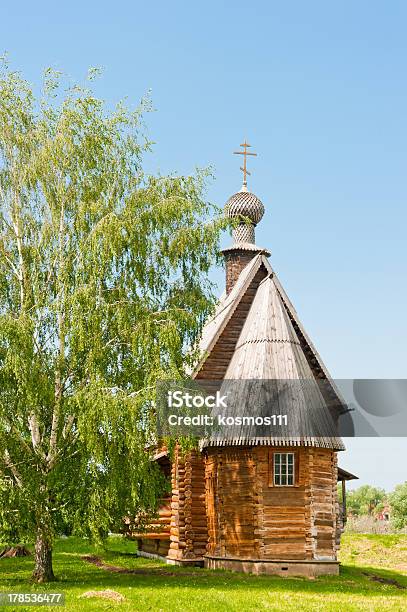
column 247, row 501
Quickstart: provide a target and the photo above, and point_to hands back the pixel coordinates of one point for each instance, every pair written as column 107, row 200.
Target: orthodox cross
column 245, row 153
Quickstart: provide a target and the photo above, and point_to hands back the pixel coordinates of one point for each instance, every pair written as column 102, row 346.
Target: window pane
column 283, row 469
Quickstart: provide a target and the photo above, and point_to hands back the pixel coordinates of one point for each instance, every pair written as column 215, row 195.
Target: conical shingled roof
column 268, row 346
column 277, row 367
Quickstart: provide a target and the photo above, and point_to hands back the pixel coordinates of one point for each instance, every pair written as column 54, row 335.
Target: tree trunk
column 43, row 571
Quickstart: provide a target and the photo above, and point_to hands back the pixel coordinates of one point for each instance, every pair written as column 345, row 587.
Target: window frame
column 272, row 467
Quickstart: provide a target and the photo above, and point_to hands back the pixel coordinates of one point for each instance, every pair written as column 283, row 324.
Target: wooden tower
column 249, row 501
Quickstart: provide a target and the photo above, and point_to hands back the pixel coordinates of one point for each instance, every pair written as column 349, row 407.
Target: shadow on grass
column 75, row 573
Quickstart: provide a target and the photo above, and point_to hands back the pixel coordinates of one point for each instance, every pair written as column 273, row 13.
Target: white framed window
column 283, row 469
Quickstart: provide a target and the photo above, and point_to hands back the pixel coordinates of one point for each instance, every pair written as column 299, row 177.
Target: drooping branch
column 53, row 441
column 34, row 430
column 9, row 261
column 13, row 469
column 16, row 225
column 18, row 435
column 70, row 420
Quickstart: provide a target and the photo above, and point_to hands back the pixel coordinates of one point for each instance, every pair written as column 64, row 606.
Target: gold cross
column 245, row 153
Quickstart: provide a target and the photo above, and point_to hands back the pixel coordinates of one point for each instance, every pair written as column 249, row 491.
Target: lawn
column 366, row 561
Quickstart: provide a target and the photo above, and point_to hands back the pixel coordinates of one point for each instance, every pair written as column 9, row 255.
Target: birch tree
column 103, row 286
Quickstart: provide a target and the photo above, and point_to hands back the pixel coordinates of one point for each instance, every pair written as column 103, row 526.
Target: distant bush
column 398, row 501
column 367, row 524
column 365, row 500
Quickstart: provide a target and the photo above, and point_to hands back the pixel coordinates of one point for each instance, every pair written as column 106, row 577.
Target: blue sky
column 320, row 90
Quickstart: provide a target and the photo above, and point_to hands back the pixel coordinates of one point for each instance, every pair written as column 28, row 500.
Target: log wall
column 225, row 504
column 188, row 532
column 324, row 506
column 249, row 517
column 157, row 540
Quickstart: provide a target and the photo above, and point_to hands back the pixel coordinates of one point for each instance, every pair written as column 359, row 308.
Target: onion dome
column 245, row 206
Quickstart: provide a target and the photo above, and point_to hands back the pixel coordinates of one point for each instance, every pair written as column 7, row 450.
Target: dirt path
column 140, row 571
column 382, row 580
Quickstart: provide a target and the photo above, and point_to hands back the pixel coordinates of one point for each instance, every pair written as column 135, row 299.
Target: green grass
column 203, row 590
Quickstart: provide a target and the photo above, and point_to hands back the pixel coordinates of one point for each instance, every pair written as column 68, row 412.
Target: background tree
column 365, row 500
column 103, row 286
column 398, row 506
